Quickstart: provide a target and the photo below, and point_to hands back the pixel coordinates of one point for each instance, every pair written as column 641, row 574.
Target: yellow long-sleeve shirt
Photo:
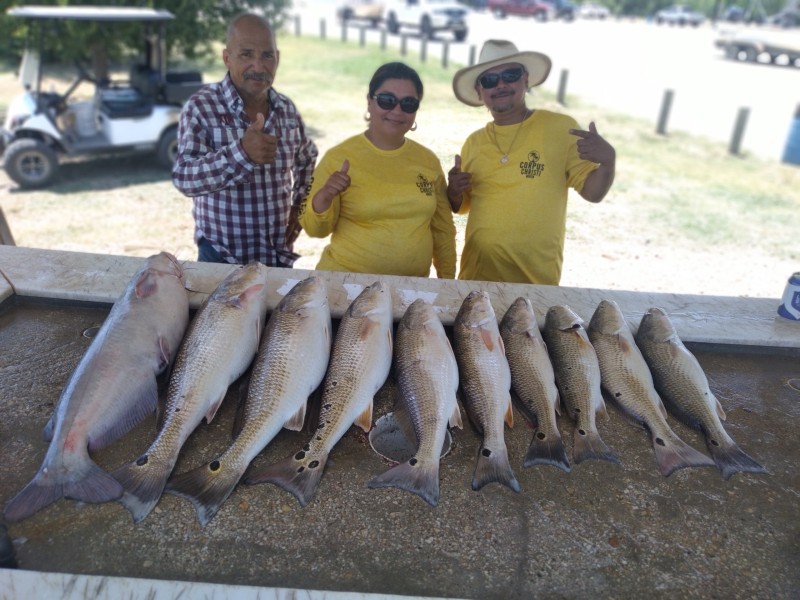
column 394, row 219
column 517, row 210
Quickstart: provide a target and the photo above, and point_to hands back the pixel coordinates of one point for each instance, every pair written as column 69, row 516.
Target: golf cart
column 138, row 115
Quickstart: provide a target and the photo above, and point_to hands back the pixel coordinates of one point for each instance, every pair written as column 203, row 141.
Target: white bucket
column 85, row 118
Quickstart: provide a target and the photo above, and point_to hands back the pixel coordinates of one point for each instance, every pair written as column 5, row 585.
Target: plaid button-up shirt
column 240, row 207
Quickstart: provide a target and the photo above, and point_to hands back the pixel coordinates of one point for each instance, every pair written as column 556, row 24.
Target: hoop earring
column 367, row 116
column 414, row 126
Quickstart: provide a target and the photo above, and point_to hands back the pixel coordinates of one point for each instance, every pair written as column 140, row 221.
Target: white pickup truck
column 428, row 16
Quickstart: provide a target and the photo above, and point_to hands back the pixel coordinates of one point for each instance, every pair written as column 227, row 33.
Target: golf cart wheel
column 167, row 150
column 30, row 163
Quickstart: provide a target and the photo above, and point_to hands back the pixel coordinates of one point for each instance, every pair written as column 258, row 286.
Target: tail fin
column 673, row 454
column 731, row 459
column 493, row 466
column 547, row 449
column 206, row 487
column 144, row 481
column 413, row 476
column 94, row 485
column 299, row 475
column 588, row 445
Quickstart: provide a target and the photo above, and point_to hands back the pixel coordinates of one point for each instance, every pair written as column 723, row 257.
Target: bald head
column 248, row 21
column 251, row 56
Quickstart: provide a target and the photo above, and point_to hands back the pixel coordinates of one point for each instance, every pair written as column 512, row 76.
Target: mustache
column 258, row 77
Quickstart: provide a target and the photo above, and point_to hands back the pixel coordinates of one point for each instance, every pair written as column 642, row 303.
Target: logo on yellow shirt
column 425, row 186
column 532, row 167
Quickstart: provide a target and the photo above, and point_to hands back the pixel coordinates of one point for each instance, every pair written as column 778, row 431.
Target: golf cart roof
column 90, row 13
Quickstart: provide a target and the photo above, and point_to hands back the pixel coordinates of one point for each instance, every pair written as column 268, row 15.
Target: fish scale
column 533, row 382
column 289, row 366
column 427, row 377
column 627, row 379
column 112, row 389
column 683, row 385
column 485, row 384
column 219, row 346
column 577, row 375
column 359, row 365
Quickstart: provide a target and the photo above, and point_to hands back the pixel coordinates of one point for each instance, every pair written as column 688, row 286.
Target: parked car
column 539, row 10
column 363, row 10
column 132, row 116
column 564, row 9
column 428, row 16
column 593, row 10
column 679, row 14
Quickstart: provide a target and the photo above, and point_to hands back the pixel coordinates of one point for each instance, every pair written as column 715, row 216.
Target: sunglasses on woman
column 388, row 101
column 491, row 80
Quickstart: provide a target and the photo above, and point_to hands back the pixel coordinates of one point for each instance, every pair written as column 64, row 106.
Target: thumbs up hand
column 259, row 146
column 458, row 182
column 338, row 182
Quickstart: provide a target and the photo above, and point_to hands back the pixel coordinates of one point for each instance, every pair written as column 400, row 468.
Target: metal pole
column 423, row 50
column 344, row 31
column 383, row 39
column 322, row 33
column 471, row 55
column 663, row 117
column 445, row 54
column 362, row 36
column 297, row 25
column 403, row 40
column 562, row 87
column 738, row 130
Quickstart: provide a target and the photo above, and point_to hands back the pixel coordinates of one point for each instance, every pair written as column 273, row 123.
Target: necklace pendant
column 504, row 159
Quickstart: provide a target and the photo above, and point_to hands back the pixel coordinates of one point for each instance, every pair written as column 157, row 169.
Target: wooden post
column 362, row 36
column 423, row 50
column 471, row 55
column 383, row 39
column 297, row 26
column 738, row 131
column 5, row 231
column 403, row 42
column 663, row 117
column 445, row 54
column 322, row 32
column 562, row 87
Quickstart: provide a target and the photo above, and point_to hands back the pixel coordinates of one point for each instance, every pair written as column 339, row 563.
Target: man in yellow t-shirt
column 513, row 175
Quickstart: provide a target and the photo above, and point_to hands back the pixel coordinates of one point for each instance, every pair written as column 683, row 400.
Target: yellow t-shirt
column 394, row 219
column 517, row 210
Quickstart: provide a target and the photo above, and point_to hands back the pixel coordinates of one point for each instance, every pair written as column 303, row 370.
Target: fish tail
column 299, row 475
column 673, row 454
column 547, row 449
column 413, row 476
column 143, row 481
column 206, row 487
column 589, row 445
column 94, row 486
column 493, row 466
column 731, row 459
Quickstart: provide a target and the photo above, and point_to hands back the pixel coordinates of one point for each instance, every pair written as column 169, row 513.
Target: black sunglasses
column 388, row 101
column 491, row 80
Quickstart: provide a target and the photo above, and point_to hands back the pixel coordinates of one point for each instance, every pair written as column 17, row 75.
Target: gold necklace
column 504, row 155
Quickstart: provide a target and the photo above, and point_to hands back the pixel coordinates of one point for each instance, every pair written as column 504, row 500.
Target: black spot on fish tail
column 494, row 467
column 588, row 445
column 299, row 477
column 731, row 459
column 674, row 454
column 206, row 487
column 547, row 450
column 412, row 476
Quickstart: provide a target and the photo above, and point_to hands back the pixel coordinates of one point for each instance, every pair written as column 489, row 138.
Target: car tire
column 167, row 149
column 392, row 24
column 30, row 163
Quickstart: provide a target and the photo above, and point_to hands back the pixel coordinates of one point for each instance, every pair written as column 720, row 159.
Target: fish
column 577, row 375
column 360, row 362
column 219, row 346
column 112, row 389
column 291, row 363
column 627, row 380
column 485, row 380
column 426, row 373
column 533, row 383
column 683, row 385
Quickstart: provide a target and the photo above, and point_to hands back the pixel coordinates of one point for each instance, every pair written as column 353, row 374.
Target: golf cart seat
column 175, row 89
column 124, row 103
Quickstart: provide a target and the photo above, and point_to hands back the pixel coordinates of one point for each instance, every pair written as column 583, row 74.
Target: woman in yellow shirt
column 381, row 196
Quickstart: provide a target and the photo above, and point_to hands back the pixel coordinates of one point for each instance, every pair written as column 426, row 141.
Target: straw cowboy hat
column 493, row 53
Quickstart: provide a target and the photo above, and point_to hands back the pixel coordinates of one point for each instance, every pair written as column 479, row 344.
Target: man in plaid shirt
column 244, row 155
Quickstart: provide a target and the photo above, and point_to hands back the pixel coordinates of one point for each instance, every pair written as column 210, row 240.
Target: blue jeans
column 207, row 253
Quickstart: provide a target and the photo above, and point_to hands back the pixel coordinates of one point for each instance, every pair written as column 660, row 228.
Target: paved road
column 627, row 66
